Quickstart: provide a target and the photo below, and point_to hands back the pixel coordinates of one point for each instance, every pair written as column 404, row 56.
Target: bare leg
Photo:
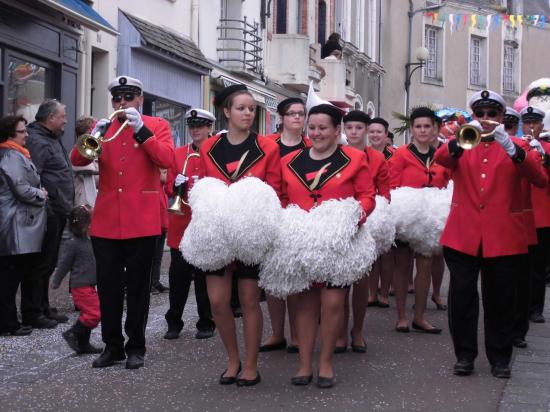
column 403, row 263
column 292, row 305
column 249, row 295
column 373, row 280
column 219, row 294
column 276, row 308
column 421, row 288
column 307, row 319
column 359, row 304
column 342, row 337
column 332, row 302
column 387, row 265
column 438, row 269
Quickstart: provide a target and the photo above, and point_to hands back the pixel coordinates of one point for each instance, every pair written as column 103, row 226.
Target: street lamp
column 421, row 55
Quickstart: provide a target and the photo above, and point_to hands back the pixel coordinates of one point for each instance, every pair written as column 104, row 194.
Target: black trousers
column 498, row 287
column 124, row 266
column 157, row 259
column 523, row 291
column 35, row 283
column 541, row 259
column 11, row 271
column 180, row 275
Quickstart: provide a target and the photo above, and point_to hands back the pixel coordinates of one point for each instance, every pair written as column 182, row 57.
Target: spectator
column 22, row 217
column 332, row 47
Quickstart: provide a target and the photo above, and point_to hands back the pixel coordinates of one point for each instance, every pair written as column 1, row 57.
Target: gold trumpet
column 178, row 206
column 529, row 137
column 468, row 136
column 90, row 146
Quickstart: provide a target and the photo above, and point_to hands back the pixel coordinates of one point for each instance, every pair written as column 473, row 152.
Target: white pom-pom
column 281, row 272
column 420, row 216
column 381, row 226
column 252, row 213
column 203, row 243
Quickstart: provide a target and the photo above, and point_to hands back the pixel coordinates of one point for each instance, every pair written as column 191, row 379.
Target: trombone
column 177, row 207
column 468, row 136
column 90, row 146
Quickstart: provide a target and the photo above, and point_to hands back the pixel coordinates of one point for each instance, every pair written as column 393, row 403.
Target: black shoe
column 54, row 315
column 134, row 361
column 108, row 358
column 463, row 367
column 301, row 380
column 439, row 306
column 358, row 348
column 433, row 330
column 249, row 382
column 42, row 322
column 501, row 371
column 519, row 343
column 229, row 380
column 402, row 329
column 383, row 305
column 204, row 333
column 273, row 346
column 325, row 383
column 21, row 331
column 173, row 332
column 71, row 337
column 160, row 288
column 373, row 303
column 537, row 318
column 292, row 349
column 340, row 349
column 237, row 313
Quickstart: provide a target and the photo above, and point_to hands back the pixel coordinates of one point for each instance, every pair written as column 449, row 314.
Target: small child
column 76, row 256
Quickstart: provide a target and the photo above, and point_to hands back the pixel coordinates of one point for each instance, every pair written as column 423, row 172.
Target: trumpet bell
column 89, row 146
column 178, row 207
column 468, row 137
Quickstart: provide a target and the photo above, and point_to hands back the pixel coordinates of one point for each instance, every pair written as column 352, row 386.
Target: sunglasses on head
column 117, row 98
column 490, row 113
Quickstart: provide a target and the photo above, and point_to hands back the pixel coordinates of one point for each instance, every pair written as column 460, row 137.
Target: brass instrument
column 90, row 146
column 468, row 136
column 178, row 205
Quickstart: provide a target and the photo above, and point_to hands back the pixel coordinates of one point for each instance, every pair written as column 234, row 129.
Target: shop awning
column 82, row 12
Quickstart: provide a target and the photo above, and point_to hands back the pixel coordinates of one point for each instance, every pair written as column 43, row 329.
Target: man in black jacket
column 52, row 163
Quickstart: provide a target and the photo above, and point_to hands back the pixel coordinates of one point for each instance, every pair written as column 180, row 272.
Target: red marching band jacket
column 379, row 171
column 178, row 223
column 348, row 176
column 487, row 209
column 540, row 198
column 406, row 169
column 262, row 161
column 128, row 204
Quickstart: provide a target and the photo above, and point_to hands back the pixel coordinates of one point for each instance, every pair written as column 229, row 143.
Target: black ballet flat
column 402, row 329
column 292, row 349
column 273, row 346
column 383, row 305
column 358, row 348
column 340, row 349
column 439, row 306
column 373, row 303
column 249, row 382
column 229, row 380
column 433, row 331
column 325, row 383
column 301, row 380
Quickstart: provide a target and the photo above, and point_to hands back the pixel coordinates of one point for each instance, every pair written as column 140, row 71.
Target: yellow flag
column 474, row 20
column 520, row 19
column 513, row 20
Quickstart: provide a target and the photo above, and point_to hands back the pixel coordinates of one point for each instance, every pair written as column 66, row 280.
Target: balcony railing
column 240, row 45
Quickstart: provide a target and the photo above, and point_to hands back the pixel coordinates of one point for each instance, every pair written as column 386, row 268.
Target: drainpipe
column 195, row 21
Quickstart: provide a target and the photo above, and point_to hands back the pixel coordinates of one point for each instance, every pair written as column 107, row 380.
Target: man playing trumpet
column 126, row 220
column 185, row 170
column 485, row 233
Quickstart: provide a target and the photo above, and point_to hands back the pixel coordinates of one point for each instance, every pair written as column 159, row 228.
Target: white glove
column 504, row 140
column 180, row 179
column 477, row 125
column 101, row 126
column 441, row 140
column 535, row 144
column 134, row 119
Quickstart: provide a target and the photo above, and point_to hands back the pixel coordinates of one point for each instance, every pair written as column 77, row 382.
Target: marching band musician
column 356, row 123
column 126, row 220
column 414, row 166
column 229, row 157
column 523, row 311
column 325, row 171
column 181, row 273
column 532, row 121
column 485, row 232
column 378, row 137
column 292, row 112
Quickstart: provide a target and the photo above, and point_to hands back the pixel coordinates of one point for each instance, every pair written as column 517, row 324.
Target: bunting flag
column 485, row 22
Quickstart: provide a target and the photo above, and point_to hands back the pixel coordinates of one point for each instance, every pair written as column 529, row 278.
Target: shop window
column 27, row 85
column 173, row 113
